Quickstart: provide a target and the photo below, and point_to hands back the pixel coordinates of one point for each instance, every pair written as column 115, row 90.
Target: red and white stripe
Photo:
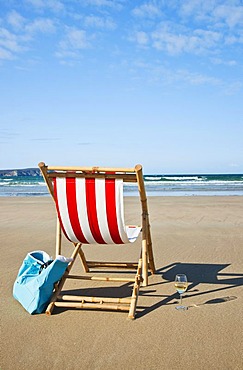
column 91, row 210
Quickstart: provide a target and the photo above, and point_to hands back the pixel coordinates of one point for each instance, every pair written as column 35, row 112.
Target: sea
column 156, row 185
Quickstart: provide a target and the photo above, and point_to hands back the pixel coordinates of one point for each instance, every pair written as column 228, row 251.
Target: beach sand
column 199, row 236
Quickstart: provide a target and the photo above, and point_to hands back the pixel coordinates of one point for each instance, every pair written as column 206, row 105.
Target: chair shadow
column 197, row 273
column 122, row 291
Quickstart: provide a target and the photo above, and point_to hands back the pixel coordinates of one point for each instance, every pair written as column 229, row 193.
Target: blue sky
column 119, row 82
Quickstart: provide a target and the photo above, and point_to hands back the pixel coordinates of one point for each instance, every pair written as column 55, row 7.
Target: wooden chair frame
column 146, row 260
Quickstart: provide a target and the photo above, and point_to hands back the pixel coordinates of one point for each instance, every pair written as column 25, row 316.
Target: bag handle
column 45, row 265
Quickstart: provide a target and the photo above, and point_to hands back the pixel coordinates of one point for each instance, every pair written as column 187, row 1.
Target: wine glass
column 181, row 286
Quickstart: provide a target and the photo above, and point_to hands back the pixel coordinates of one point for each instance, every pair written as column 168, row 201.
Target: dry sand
column 199, row 236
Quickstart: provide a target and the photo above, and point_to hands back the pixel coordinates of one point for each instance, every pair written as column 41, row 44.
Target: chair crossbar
column 94, row 306
column 126, row 177
column 100, row 278
column 100, row 300
column 119, row 265
column 93, row 169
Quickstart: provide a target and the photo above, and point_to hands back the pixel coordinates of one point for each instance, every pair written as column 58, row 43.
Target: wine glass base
column 181, row 308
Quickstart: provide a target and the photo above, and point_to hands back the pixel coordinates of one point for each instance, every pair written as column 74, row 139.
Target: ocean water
column 156, row 185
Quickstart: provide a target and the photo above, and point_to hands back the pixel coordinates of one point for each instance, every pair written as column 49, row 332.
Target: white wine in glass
column 181, row 286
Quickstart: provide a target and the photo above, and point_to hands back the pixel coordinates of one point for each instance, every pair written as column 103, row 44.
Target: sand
column 199, row 236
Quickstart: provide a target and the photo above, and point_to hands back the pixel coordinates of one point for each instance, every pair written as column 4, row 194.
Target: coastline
column 25, row 184
column 199, row 236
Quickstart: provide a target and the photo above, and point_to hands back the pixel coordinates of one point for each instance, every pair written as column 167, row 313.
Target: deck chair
column 89, row 206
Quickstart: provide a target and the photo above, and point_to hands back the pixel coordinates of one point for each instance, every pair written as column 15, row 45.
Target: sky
column 121, row 82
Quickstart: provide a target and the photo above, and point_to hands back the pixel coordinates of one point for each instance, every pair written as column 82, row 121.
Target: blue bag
column 37, row 275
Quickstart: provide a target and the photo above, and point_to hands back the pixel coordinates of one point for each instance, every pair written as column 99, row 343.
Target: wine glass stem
column 180, row 299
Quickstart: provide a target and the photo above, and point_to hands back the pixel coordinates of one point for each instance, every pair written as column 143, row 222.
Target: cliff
column 21, row 172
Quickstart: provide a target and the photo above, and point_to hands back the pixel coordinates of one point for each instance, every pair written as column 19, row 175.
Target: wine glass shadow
column 197, row 274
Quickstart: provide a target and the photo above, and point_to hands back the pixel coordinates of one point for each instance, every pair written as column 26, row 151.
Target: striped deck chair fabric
column 90, row 210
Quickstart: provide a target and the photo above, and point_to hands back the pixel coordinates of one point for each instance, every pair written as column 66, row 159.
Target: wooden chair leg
column 59, row 287
column 144, row 262
column 150, row 252
column 147, row 252
column 83, row 260
column 135, row 292
column 58, row 238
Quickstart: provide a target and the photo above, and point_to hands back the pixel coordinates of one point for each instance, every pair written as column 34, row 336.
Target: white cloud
column 195, row 78
column 43, row 25
column 9, row 41
column 12, row 43
column 165, row 40
column 76, row 39
column 8, row 134
column 115, row 4
column 219, row 61
column 36, row 3
column 197, row 27
column 156, row 72
column 217, row 13
column 233, row 88
column 73, row 41
column 233, row 39
column 231, row 15
column 141, row 38
column 190, row 41
column 99, row 22
column 15, row 19
column 197, row 8
column 147, row 10
column 5, row 54
column 53, row 5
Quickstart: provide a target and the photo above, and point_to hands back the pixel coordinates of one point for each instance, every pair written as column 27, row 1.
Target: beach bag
column 35, row 281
